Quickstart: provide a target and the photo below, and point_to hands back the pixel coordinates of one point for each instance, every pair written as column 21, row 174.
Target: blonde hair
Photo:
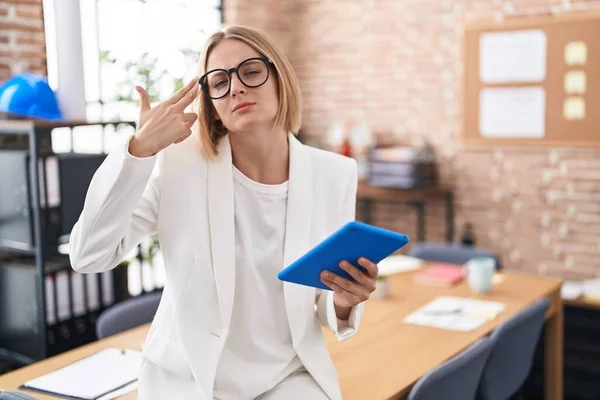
column 289, row 110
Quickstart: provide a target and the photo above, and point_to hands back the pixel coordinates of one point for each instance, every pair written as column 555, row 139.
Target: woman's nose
column 236, row 85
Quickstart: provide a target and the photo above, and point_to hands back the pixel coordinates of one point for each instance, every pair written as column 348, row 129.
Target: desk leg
column 420, row 208
column 449, row 217
column 367, row 211
column 553, row 352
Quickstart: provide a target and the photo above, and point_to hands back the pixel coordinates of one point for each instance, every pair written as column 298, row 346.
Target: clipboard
column 90, row 378
column 353, row 240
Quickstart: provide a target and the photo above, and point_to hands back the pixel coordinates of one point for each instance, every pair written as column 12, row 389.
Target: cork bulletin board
column 533, row 81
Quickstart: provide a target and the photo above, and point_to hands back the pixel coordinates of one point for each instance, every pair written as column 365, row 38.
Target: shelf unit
column 33, row 273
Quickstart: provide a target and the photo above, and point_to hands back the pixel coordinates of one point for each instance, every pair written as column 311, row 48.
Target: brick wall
column 398, row 65
column 276, row 17
column 22, row 46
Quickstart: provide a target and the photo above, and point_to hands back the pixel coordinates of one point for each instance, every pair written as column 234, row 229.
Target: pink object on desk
column 441, row 274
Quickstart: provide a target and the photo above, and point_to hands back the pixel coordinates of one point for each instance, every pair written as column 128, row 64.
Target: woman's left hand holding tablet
column 348, row 293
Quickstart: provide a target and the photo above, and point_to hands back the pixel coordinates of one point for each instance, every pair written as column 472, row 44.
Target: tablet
column 352, row 241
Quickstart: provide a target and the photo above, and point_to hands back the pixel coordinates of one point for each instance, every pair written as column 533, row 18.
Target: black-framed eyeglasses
column 253, row 72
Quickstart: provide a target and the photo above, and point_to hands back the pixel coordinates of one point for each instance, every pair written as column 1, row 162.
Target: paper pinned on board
column 574, row 108
column 575, row 82
column 576, row 53
column 513, row 57
column 512, row 112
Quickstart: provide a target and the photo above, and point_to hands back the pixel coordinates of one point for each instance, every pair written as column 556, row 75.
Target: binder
column 108, row 296
column 93, row 292
column 50, row 298
column 63, row 298
column 73, row 304
column 78, row 295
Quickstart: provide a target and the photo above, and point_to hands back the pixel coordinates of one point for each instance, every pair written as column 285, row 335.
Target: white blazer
column 188, row 200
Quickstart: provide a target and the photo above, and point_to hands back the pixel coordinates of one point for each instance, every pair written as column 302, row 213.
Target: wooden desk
column 132, row 339
column 387, row 357
column 418, row 198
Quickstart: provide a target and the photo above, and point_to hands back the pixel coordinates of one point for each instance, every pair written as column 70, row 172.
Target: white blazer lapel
column 222, row 228
column 297, row 233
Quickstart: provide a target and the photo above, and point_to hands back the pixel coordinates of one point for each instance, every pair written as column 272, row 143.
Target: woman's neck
column 262, row 157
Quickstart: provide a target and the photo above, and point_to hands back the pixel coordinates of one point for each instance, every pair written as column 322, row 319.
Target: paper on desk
column 571, row 290
column 398, row 263
column 591, row 288
column 120, row 392
column 94, row 377
column 455, row 313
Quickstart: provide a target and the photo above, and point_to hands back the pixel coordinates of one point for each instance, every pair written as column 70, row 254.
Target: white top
column 258, row 353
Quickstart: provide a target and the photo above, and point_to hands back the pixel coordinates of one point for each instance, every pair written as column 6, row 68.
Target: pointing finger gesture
column 164, row 124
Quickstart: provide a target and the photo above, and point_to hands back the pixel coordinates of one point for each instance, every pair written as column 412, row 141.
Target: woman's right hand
column 164, row 124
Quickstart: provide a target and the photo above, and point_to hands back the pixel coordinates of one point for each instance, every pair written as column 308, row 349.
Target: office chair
column 128, row 314
column 513, row 350
column 13, row 360
column 14, row 396
column 452, row 253
column 457, row 378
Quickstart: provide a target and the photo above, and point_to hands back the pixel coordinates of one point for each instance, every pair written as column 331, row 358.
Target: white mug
column 480, row 273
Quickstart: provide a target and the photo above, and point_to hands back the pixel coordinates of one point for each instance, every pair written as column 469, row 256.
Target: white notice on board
column 512, row 57
column 512, row 112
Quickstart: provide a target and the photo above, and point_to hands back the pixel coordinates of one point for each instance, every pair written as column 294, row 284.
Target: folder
column 108, row 296
column 91, row 378
column 50, row 304
column 440, row 274
column 63, row 296
column 93, row 292
column 77, row 294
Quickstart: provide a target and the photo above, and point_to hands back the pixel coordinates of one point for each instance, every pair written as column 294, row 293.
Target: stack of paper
column 455, row 313
column 99, row 376
column 588, row 289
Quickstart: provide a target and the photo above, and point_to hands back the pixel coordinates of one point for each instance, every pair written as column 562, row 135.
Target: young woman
column 234, row 198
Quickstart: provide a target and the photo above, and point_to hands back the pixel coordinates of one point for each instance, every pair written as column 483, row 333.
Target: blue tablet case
column 353, row 240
